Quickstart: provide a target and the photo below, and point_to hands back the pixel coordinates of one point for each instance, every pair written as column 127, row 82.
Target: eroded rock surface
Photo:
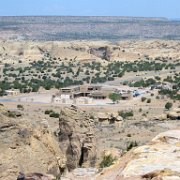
column 157, row 160
column 34, row 176
column 174, row 114
column 27, row 147
column 77, row 138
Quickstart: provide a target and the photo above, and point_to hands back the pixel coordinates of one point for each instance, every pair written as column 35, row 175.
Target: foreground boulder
column 174, row 114
column 76, row 136
column 159, row 160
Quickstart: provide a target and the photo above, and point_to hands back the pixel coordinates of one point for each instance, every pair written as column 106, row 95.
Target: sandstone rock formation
column 28, row 51
column 109, row 118
column 174, row 114
column 157, row 160
column 76, row 136
column 27, row 147
column 161, row 117
column 103, row 52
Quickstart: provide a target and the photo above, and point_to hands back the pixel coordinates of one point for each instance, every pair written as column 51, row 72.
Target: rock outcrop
column 25, row 146
column 159, row 160
column 28, row 146
column 76, row 136
column 109, row 118
column 103, row 52
column 174, row 114
column 29, row 51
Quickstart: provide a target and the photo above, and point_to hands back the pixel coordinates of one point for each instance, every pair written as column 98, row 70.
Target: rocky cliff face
column 28, row 147
column 76, row 136
column 158, row 160
column 28, row 51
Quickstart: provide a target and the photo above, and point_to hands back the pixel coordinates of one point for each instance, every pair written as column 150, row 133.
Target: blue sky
column 144, row 8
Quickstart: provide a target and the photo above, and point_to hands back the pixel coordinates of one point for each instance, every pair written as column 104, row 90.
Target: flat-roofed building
column 12, row 92
column 81, row 91
column 98, row 95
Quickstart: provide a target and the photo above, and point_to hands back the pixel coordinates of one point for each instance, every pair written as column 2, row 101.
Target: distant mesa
column 87, row 28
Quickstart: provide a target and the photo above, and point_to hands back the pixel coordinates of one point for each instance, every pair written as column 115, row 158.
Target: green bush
column 54, row 115
column 126, row 114
column 157, row 97
column 168, row 105
column 143, row 99
column 107, row 161
column 19, row 106
column 115, row 97
column 48, row 111
column 13, row 114
column 51, row 113
column 131, row 145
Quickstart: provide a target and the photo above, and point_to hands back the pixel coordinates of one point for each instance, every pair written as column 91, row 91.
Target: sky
column 138, row 8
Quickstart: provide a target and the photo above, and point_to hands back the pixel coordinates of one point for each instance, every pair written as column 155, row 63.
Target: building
column 12, row 92
column 92, row 91
column 98, row 95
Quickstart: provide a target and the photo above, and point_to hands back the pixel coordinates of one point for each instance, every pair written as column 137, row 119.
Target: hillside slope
column 27, row 51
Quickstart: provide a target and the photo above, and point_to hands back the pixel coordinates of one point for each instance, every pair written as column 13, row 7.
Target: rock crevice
column 76, row 137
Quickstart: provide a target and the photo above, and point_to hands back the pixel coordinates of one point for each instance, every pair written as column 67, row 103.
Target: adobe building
column 92, row 91
column 98, row 95
column 12, row 92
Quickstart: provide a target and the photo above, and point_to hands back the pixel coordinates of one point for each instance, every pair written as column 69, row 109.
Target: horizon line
column 160, row 17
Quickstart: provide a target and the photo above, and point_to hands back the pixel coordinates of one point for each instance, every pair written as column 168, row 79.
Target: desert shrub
column 157, row 78
column 54, row 115
column 115, row 97
column 19, row 106
column 143, row 99
column 168, row 105
column 170, row 93
column 131, row 145
column 128, row 135
column 107, row 161
column 157, row 97
column 148, row 100
column 126, row 114
column 48, row 111
column 11, row 114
